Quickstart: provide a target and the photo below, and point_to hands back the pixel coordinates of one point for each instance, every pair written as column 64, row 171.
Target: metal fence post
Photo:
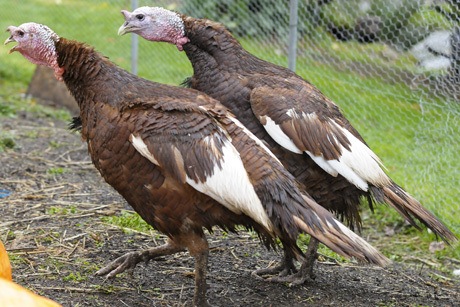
column 134, row 44
column 292, row 47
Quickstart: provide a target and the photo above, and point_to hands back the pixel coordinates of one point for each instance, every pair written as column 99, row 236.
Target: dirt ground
column 53, row 229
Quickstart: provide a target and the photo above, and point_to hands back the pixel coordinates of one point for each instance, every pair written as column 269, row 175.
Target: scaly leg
column 201, row 263
column 285, row 268
column 306, row 269
column 199, row 249
column 130, row 260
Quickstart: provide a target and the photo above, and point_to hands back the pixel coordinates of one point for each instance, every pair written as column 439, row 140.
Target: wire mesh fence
column 392, row 66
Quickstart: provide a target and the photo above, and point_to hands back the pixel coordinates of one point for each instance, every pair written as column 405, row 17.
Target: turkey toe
column 130, row 260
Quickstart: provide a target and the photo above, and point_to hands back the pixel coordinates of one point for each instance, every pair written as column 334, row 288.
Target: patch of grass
column 48, row 238
column 6, row 141
column 55, row 210
column 89, row 267
column 107, row 288
column 55, row 263
column 14, row 103
column 407, row 244
column 6, row 110
column 16, row 260
column 31, row 134
column 75, row 277
column 428, row 17
column 129, row 221
column 55, row 144
column 55, row 171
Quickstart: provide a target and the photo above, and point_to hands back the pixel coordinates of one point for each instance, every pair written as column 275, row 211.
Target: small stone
column 436, row 246
column 389, row 231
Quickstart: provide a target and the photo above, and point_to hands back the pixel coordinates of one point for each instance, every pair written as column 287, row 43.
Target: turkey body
column 234, row 81
column 300, row 125
column 181, row 160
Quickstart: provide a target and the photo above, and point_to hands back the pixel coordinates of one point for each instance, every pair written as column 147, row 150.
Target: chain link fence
column 392, row 66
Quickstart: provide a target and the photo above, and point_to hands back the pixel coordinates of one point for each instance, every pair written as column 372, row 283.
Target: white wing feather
column 359, row 165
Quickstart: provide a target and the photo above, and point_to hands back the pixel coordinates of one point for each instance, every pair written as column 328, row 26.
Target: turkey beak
column 124, row 27
column 10, row 39
column 123, row 30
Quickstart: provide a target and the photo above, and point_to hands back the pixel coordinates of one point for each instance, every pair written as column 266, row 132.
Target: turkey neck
column 88, row 75
column 212, row 38
column 223, row 70
column 212, row 46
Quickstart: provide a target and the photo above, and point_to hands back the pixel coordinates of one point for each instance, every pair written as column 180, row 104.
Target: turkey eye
column 140, row 17
column 20, row 33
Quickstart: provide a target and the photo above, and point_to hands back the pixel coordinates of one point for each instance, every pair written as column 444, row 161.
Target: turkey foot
column 306, row 269
column 286, row 268
column 130, row 260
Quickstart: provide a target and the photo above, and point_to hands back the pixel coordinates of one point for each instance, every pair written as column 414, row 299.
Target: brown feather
column 183, row 131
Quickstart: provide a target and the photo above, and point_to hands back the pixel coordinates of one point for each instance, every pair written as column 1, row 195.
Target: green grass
column 129, row 221
column 6, row 141
column 75, row 277
column 57, row 210
column 415, row 133
column 95, row 23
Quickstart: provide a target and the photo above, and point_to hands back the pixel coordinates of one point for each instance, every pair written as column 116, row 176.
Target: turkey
column 181, row 160
column 301, row 126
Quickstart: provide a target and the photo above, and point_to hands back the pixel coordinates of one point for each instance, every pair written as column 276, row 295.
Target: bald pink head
column 36, row 42
column 155, row 24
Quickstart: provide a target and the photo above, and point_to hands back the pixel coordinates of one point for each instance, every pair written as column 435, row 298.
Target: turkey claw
column 282, row 270
column 121, row 264
column 305, row 273
column 130, row 260
column 292, row 280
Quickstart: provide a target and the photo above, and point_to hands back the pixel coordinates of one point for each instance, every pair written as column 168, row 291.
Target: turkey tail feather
column 339, row 238
column 412, row 210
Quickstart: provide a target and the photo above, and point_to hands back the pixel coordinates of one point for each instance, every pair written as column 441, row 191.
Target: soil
column 52, row 225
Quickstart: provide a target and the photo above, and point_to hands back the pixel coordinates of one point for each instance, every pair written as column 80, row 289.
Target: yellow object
column 5, row 266
column 14, row 295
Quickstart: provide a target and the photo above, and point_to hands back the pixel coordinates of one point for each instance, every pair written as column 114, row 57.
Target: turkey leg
column 199, row 249
column 130, row 260
column 287, row 266
column 306, row 269
column 197, row 246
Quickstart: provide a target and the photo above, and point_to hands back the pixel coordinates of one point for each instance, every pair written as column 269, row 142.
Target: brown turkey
column 181, row 160
column 301, row 126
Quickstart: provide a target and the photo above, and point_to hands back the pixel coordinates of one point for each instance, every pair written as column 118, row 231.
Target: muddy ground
column 52, row 225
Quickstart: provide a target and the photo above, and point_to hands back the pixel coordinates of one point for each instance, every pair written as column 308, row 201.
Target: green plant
column 55, row 171
column 128, row 220
column 6, row 142
column 55, row 210
column 75, row 277
column 6, row 110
